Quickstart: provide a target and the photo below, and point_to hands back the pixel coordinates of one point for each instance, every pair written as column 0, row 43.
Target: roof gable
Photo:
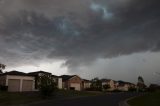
column 74, row 77
column 66, row 77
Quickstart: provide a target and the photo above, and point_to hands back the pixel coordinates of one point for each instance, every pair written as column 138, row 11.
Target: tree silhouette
column 140, row 80
column 141, row 86
column 96, row 84
column 2, row 67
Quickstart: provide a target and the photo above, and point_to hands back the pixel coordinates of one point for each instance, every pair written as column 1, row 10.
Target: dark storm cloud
column 38, row 30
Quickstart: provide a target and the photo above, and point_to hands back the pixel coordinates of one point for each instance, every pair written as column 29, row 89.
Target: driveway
column 101, row 100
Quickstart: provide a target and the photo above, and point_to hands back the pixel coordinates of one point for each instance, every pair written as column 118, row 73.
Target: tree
column 140, row 80
column 106, row 86
column 141, row 86
column 2, row 67
column 96, row 84
column 46, row 85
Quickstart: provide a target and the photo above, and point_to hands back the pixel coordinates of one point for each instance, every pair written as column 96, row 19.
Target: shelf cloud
column 77, row 31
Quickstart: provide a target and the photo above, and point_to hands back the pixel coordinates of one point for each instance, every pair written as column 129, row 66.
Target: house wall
column 21, row 78
column 110, row 83
column 3, row 80
column 86, row 85
column 75, row 82
column 60, row 83
column 123, row 88
column 65, row 85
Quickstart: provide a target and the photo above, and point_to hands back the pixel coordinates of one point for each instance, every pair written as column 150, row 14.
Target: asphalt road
column 101, row 100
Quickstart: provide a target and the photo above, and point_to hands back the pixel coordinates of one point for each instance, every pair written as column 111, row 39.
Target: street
column 101, row 100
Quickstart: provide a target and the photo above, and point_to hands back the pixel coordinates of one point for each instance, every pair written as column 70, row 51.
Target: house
column 72, row 82
column 17, row 81
column 58, row 81
column 110, row 83
column 86, row 84
column 125, row 86
column 122, row 86
column 37, row 75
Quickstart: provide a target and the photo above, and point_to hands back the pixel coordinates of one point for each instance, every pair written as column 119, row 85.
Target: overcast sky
column 116, row 39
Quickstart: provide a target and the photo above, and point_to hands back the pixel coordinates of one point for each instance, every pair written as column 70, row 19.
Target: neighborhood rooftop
column 20, row 81
column 34, row 73
column 66, row 77
column 15, row 73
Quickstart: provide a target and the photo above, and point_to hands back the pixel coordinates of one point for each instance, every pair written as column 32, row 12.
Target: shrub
column 132, row 89
column 46, row 86
column 116, row 90
column 106, row 86
column 3, row 88
column 96, row 84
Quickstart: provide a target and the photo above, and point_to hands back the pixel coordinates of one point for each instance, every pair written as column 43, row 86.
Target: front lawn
column 151, row 99
column 71, row 93
column 8, row 98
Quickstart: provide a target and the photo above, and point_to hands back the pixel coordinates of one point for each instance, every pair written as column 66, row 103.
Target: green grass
column 151, row 99
column 8, row 98
column 71, row 93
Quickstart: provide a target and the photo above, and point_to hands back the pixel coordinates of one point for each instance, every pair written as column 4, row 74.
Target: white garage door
column 76, row 86
column 13, row 85
column 27, row 85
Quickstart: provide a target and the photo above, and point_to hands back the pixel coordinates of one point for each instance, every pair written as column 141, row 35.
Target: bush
column 96, row 85
column 88, row 89
column 3, row 88
column 116, row 90
column 105, row 87
column 132, row 89
column 47, row 86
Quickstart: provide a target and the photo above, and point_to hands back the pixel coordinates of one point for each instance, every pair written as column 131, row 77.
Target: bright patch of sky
column 68, row 28
column 99, row 8
column 55, row 68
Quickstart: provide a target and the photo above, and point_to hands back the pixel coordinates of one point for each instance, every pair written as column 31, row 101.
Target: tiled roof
column 37, row 72
column 121, row 83
column 66, row 77
column 15, row 73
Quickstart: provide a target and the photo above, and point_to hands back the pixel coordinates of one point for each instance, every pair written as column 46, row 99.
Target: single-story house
column 38, row 74
column 71, row 82
column 86, row 84
column 58, row 81
column 17, row 81
column 109, row 82
column 125, row 86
